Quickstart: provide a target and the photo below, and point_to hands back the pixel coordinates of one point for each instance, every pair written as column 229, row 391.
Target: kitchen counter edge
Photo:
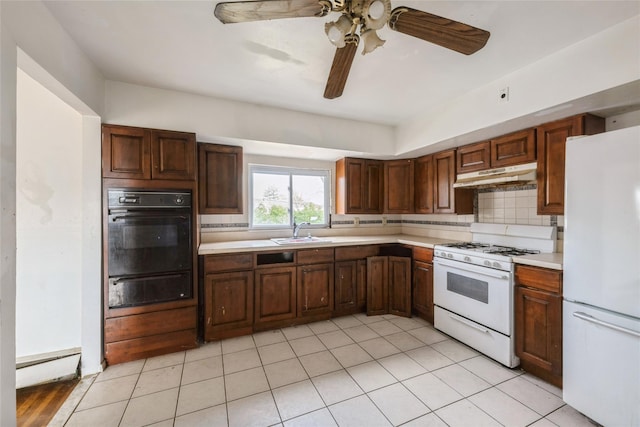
column 552, row 260
column 335, row 241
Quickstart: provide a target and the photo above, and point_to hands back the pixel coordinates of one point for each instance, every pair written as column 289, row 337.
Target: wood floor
column 37, row 405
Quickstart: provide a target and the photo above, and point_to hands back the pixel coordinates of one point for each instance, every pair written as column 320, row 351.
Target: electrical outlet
column 503, row 94
column 356, row 221
column 384, row 221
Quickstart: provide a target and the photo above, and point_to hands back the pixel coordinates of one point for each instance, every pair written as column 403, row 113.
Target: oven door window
column 469, row 287
column 147, row 243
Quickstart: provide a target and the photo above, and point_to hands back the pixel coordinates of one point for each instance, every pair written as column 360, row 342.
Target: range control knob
column 496, row 264
column 449, row 256
column 487, row 263
column 467, row 259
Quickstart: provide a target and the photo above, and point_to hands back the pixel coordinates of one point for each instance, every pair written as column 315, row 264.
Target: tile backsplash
column 510, row 205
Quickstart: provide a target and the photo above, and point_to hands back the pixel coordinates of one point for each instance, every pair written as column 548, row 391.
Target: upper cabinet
column 359, row 186
column 220, row 179
column 507, row 150
column 398, row 181
column 433, row 185
column 447, row 199
column 139, row 153
column 552, row 138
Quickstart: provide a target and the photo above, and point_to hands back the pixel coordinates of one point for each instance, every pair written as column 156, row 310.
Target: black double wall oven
column 149, row 247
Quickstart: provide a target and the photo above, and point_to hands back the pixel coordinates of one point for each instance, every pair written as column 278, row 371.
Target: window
column 280, row 196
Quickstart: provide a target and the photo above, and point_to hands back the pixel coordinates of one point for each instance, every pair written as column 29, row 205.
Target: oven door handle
column 485, row 271
column 139, row 217
column 470, row 324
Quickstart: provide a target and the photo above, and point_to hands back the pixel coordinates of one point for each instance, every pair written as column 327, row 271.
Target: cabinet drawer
column 356, row 252
column 157, row 322
column 539, row 278
column 423, row 254
column 315, row 256
column 218, row 263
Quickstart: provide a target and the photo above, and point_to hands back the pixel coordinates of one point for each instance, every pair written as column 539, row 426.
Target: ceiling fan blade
column 262, row 10
column 445, row 32
column 340, row 68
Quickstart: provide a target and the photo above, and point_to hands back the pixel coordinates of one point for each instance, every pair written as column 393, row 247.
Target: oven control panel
column 481, row 260
column 119, row 198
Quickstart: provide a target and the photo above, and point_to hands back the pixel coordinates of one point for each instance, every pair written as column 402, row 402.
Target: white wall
column 68, row 73
column 48, row 221
column 213, row 118
column 606, row 60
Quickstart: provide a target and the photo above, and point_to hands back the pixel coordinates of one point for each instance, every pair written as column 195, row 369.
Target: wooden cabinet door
column 538, row 333
column 400, row 286
column 398, row 179
column 346, row 281
column 354, row 185
column 474, row 157
column 514, row 149
column 423, row 185
column 551, row 143
column 315, row 289
column 373, row 186
column 173, row 155
column 361, row 285
column 377, row 285
column 228, row 304
column 275, row 294
column 220, row 179
column 423, row 290
column 126, row 152
column 446, row 199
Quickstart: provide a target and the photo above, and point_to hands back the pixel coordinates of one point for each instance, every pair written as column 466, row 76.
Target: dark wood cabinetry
column 552, row 138
column 422, row 292
column 275, row 296
column 433, row 186
column 538, row 322
column 350, row 285
column 228, row 296
column 423, row 185
column 447, row 199
column 398, row 181
column 139, row 153
column 359, row 186
column 507, row 150
column 315, row 283
column 389, row 285
column 513, row 149
column 220, row 179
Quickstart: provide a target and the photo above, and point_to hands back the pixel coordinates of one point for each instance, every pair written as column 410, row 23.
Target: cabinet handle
column 424, row 269
column 223, row 310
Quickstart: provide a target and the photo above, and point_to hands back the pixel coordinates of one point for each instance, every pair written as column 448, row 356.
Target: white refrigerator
column 601, row 307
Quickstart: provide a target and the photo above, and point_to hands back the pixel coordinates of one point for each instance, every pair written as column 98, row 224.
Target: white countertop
column 334, row 241
column 547, row 260
column 552, row 260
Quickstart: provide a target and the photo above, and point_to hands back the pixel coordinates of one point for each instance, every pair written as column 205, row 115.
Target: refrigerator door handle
column 588, row 318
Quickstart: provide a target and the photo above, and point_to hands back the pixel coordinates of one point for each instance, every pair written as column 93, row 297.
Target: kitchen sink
column 300, row 240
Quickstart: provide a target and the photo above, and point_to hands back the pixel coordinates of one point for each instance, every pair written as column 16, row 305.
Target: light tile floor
column 349, row 371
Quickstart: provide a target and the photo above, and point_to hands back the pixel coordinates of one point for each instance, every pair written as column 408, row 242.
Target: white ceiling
column 180, row 45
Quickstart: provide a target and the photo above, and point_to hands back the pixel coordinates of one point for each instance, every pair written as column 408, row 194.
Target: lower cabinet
column 538, row 322
column 389, row 285
column 315, row 290
column 422, row 291
column 275, row 296
column 228, row 304
column 144, row 335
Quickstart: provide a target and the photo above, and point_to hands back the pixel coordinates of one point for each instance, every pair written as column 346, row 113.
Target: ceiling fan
column 358, row 16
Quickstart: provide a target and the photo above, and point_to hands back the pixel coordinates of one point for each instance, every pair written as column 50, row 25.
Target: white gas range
column 474, row 285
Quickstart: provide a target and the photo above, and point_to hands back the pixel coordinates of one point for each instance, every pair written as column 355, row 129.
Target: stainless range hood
column 492, row 177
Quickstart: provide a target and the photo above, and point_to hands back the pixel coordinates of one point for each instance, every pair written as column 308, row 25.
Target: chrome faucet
column 296, row 228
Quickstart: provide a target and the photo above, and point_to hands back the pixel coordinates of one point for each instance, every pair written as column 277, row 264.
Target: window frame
column 291, row 172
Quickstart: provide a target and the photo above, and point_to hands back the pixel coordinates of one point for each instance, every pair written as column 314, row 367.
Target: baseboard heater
column 47, row 367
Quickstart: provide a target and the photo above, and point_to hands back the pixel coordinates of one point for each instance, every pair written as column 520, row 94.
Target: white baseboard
column 47, row 371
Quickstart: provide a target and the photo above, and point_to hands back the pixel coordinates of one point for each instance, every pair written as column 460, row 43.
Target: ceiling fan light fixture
column 376, row 13
column 337, row 30
column 371, row 41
